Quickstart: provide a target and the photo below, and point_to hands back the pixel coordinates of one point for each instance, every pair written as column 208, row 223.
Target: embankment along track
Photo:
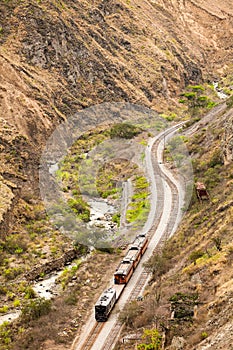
column 165, row 211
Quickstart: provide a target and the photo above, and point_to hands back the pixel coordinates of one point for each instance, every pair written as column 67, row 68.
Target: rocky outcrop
column 227, row 142
column 53, row 265
column 178, row 343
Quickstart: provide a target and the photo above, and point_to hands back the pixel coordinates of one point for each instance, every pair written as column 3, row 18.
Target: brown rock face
column 56, row 59
column 228, row 140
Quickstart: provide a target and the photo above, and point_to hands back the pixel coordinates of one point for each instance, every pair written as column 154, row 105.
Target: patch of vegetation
column 36, row 308
column 68, row 274
column 152, row 339
column 6, row 335
column 161, row 262
column 80, row 207
column 195, row 255
column 196, row 102
column 192, row 298
column 230, row 102
column 124, row 131
column 139, row 206
column 116, row 218
column 129, row 314
column 204, row 335
column 169, row 116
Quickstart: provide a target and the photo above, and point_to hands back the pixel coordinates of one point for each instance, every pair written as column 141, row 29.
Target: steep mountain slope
column 190, row 297
column 58, row 57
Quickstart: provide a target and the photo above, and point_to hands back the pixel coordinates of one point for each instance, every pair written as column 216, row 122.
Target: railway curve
column 168, row 195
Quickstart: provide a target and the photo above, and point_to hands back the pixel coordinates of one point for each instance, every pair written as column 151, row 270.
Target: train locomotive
column 122, row 275
column 105, row 304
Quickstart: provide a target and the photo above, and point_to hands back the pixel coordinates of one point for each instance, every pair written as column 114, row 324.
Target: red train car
column 141, row 241
column 134, row 255
column 123, row 272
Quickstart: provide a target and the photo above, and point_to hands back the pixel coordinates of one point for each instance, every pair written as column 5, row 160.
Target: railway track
column 144, row 276
column 160, row 177
column 92, row 336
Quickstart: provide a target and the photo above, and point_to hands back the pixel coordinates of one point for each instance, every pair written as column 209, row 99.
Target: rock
column 178, row 343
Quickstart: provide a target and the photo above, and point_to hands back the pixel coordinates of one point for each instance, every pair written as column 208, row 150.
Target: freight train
column 122, row 275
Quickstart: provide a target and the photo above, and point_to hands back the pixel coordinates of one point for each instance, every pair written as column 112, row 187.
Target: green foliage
column 196, row 255
column 212, row 177
column 29, row 293
column 68, row 274
column 16, row 303
column 124, row 130
column 216, row 159
column 197, row 87
column 4, row 309
column 152, row 340
column 194, row 100
column 36, row 308
column 204, row 335
column 6, row 334
column 230, row 102
column 218, row 243
column 14, row 245
column 184, row 297
column 12, row 272
column 80, row 207
column 139, row 206
column 116, row 218
column 169, row 117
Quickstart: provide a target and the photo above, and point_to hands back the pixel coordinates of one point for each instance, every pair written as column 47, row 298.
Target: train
column 122, row 275
column 105, row 304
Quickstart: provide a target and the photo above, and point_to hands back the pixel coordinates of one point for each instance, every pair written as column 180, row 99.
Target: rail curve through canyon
column 167, row 200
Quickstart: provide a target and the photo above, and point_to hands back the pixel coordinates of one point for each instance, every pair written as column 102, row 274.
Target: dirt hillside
column 59, row 57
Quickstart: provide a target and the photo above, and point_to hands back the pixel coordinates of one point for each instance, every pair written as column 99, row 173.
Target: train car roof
column 139, row 239
column 124, row 267
column 132, row 253
column 105, row 297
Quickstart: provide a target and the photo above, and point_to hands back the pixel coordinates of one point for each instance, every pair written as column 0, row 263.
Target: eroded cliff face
column 60, row 57
column 227, row 141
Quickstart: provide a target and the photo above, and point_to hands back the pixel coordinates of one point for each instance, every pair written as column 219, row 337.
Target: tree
column 194, row 100
column 196, row 255
column 153, row 340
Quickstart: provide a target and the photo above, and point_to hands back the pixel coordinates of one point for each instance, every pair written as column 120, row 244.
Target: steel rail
column 160, row 176
column 143, row 278
column 92, row 336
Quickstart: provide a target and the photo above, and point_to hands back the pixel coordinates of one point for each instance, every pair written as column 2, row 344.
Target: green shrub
column 204, row 335
column 116, row 218
column 11, row 272
column 196, row 255
column 152, row 340
column 4, row 309
column 230, row 102
column 16, row 303
column 36, row 308
column 124, row 130
column 5, row 334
